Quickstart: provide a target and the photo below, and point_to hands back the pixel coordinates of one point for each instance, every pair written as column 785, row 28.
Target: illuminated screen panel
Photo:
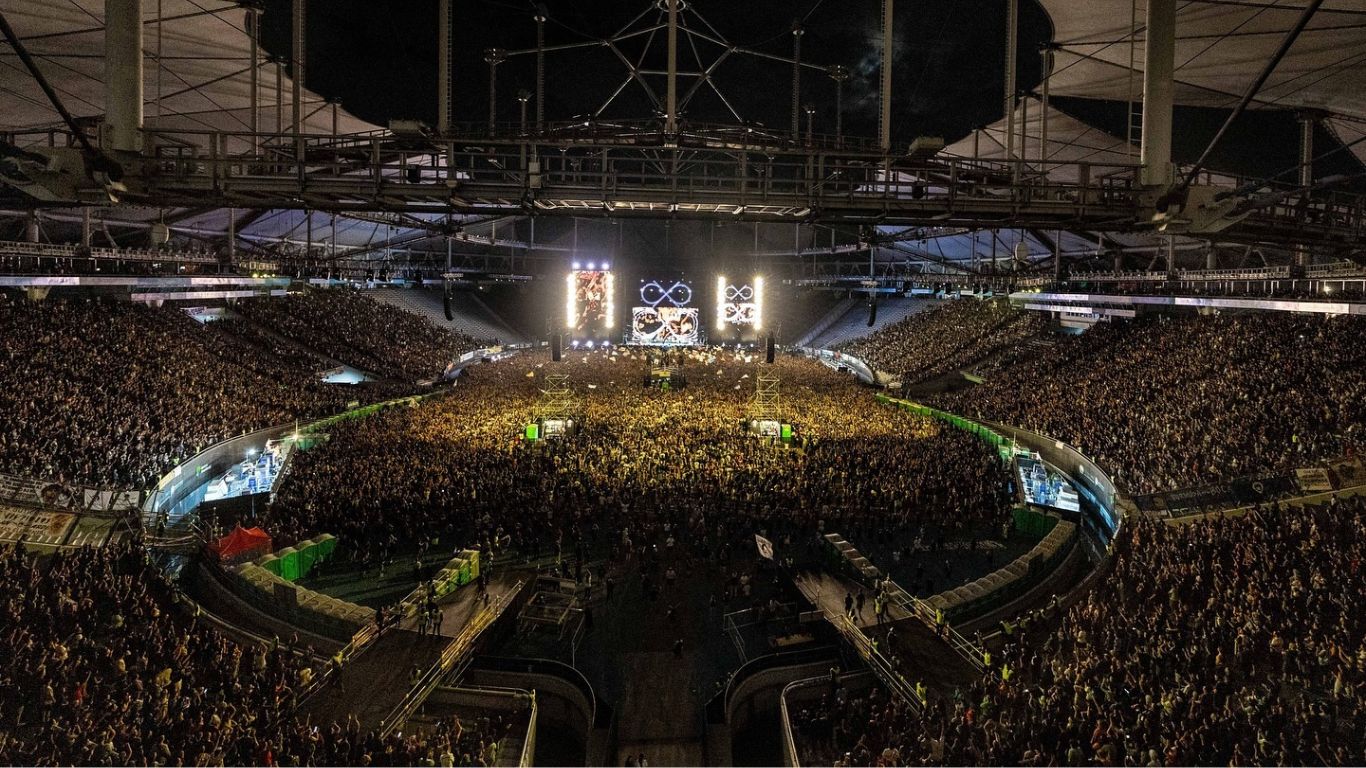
column 739, row 306
column 665, row 314
column 588, row 301
column 665, row 325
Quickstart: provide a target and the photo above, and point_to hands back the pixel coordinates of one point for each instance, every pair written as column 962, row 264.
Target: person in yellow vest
column 920, row 690
column 1006, row 672
column 986, row 659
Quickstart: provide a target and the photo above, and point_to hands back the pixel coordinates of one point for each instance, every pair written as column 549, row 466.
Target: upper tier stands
column 473, row 318
column 949, row 336
column 853, row 322
column 359, row 331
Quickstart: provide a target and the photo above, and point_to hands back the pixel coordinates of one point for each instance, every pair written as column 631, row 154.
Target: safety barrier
column 454, row 651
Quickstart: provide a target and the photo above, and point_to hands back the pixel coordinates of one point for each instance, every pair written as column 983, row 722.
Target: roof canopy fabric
column 203, row 75
column 1221, row 46
column 1069, row 141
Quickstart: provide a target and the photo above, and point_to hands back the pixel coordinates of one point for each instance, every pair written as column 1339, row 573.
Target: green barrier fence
column 1032, row 523
column 991, row 436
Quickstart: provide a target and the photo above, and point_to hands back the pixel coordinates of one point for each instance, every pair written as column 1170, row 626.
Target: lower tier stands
column 112, row 394
column 1224, row 642
column 102, row 664
column 1165, row 402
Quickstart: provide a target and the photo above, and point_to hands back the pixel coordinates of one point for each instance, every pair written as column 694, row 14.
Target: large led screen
column 664, row 314
column 665, row 325
column 588, row 304
column 739, row 305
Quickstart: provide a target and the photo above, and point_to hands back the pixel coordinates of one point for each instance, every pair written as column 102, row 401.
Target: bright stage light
column 720, row 302
column 569, row 308
column 592, row 266
column 610, row 303
column 576, row 265
column 758, row 302
column 590, row 345
column 574, row 343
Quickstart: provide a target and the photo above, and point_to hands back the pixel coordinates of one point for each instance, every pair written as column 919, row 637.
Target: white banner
column 35, row 526
column 765, row 546
column 1313, row 480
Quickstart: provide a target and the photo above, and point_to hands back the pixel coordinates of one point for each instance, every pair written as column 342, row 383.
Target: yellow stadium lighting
column 758, row 302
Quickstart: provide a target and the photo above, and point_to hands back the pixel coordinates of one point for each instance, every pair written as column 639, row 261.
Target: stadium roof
column 1221, row 45
column 197, row 76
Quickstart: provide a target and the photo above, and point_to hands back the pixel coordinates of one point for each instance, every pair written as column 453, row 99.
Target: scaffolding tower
column 766, row 405
column 557, row 399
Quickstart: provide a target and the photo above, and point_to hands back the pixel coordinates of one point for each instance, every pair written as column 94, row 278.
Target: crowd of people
column 102, row 664
column 946, row 338
column 1222, row 642
column 1167, row 402
column 644, row 466
column 113, row 394
column 354, row 329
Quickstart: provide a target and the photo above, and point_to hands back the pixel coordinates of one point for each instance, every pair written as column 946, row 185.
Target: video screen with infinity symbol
column 739, row 305
column 665, row 314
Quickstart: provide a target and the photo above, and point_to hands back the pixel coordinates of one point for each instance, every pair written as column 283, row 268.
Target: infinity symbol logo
column 739, row 292
column 653, row 294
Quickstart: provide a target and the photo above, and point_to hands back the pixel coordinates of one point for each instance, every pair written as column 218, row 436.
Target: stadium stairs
column 472, row 318
column 853, row 323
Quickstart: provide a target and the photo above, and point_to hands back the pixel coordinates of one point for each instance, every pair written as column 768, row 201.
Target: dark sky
column 380, row 59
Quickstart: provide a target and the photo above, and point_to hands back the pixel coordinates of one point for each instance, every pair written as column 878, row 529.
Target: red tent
column 241, row 545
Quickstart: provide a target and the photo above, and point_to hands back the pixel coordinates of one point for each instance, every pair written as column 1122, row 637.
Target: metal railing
column 454, row 651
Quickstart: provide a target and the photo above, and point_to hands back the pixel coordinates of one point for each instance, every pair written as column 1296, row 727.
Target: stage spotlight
column 576, row 265
column 574, row 344
column 590, row 345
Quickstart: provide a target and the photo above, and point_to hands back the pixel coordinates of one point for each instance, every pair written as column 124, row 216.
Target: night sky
column 379, row 58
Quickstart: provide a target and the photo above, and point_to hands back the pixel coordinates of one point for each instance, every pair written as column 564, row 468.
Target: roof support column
column 884, row 132
column 1047, row 52
column 1012, row 32
column 671, row 99
column 796, row 74
column 493, row 57
column 298, row 74
column 123, row 75
column 1308, row 119
column 839, row 74
column 443, row 67
column 540, row 68
column 1159, row 52
column 254, row 20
